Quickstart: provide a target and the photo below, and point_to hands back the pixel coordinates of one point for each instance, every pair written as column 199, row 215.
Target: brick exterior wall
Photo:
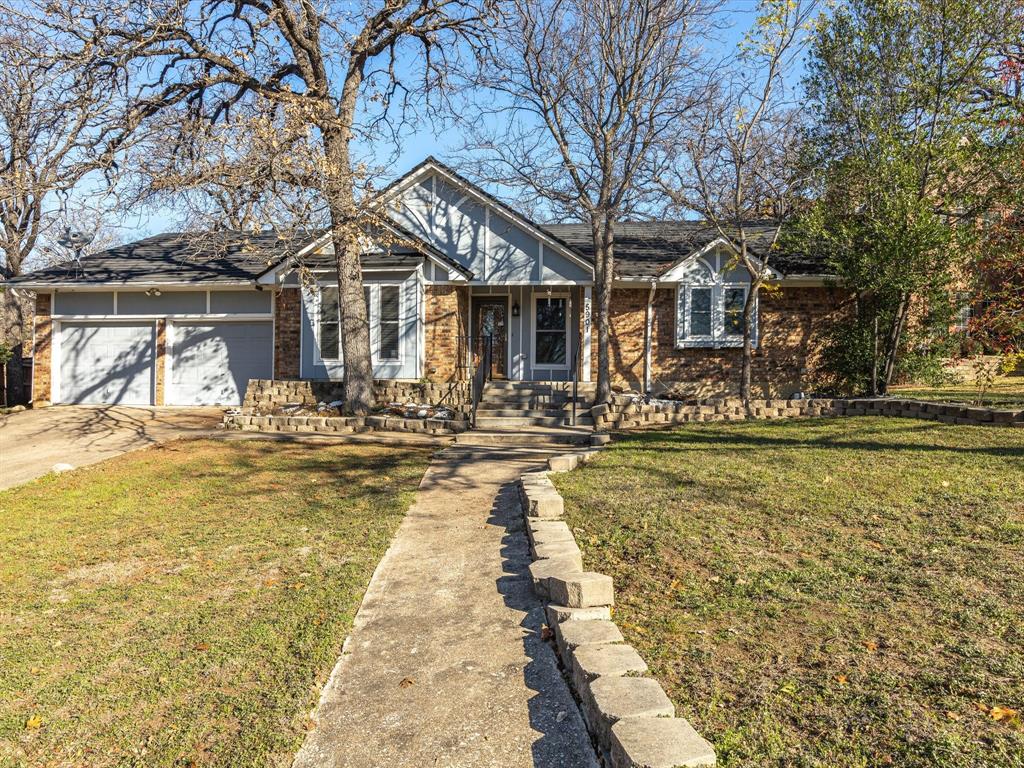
column 446, row 326
column 42, row 346
column 287, row 333
column 791, row 324
column 161, row 352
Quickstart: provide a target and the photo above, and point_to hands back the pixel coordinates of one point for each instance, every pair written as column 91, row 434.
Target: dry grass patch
column 184, row 605
column 829, row 593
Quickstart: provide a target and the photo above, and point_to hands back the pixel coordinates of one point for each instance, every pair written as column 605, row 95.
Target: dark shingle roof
column 174, row 257
column 646, row 249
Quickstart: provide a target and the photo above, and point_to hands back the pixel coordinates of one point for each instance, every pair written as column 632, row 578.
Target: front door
column 489, row 323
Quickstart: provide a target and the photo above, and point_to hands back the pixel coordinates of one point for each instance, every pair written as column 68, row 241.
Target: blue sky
column 737, row 16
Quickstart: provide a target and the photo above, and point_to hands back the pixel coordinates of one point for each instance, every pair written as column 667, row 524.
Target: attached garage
column 107, row 363
column 211, row 363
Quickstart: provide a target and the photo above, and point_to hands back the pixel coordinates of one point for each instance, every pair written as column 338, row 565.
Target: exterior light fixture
column 515, row 309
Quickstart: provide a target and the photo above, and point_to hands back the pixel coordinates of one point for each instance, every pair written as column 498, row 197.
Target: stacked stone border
column 624, row 412
column 629, row 716
column 267, row 394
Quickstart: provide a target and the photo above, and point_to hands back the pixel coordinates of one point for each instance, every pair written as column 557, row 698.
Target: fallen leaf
column 406, row 682
column 270, row 582
column 309, row 724
column 674, row 585
column 546, row 633
column 1002, row 713
column 33, row 723
column 981, row 706
column 871, row 645
column 298, row 585
column 201, row 647
column 952, row 715
column 841, row 679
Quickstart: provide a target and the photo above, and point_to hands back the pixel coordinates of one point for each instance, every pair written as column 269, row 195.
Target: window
column 330, row 324
column 700, row 312
column 734, row 300
column 388, row 320
column 330, row 321
column 551, row 331
column 712, row 315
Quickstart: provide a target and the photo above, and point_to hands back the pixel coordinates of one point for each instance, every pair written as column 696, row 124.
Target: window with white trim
column 388, row 315
column 329, row 321
column 551, row 331
column 709, row 308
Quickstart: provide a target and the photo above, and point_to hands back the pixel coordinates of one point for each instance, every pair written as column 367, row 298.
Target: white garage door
column 106, row 363
column 211, row 363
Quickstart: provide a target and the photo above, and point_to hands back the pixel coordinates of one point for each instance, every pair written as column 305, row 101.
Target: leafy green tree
column 913, row 154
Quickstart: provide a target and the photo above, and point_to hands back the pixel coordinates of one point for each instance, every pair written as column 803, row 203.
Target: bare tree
column 332, row 70
column 736, row 162
column 585, row 92
column 55, row 120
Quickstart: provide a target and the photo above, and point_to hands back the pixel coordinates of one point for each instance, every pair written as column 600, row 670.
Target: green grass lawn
column 830, row 593
column 1007, row 392
column 183, row 606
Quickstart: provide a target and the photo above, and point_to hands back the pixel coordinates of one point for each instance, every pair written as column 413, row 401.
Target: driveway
column 33, row 441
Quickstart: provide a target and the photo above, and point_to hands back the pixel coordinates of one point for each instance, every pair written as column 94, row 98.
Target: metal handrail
column 481, row 375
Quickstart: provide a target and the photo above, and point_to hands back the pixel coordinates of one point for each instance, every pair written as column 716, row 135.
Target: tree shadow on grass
column 771, row 435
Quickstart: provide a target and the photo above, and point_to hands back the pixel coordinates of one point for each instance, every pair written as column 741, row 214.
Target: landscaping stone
column 559, row 613
column 600, row 439
column 573, row 634
column 582, row 590
column 590, row 662
column 610, row 699
column 565, row 463
column 551, row 536
column 545, row 504
column 560, row 550
column 658, row 742
column 541, row 572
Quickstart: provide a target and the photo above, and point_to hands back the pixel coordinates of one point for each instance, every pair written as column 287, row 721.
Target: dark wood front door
column 489, row 322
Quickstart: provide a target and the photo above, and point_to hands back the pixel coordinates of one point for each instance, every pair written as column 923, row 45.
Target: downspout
column 649, row 340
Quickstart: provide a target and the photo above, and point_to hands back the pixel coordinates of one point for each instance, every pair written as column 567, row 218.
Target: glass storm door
column 490, row 323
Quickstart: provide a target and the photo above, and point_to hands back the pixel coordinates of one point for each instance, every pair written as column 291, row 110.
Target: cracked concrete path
column 445, row 665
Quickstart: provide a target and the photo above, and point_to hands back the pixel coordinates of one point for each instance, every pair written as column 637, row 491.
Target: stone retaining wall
column 342, row 425
column 625, row 413
column 268, row 394
column 630, row 718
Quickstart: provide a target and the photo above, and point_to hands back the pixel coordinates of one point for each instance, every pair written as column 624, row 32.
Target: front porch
column 537, row 333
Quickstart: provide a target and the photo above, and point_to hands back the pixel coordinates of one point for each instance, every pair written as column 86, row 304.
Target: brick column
column 287, row 333
column 446, row 313
column 42, row 346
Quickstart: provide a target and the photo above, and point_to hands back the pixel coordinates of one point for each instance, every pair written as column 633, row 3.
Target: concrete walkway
column 32, row 441
column 446, row 665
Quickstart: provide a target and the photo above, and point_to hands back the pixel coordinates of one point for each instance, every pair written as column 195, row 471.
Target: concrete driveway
column 32, row 441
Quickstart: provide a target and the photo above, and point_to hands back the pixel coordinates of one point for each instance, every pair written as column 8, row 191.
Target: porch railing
column 481, row 374
column 575, row 380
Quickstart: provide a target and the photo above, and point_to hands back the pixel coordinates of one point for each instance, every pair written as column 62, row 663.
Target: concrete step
column 527, row 437
column 509, row 422
column 491, row 410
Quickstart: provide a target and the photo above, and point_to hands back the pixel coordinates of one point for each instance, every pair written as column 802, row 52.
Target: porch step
column 526, row 437
column 504, row 422
column 515, row 398
column 492, row 410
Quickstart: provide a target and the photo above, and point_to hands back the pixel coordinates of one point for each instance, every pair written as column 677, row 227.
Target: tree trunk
column 345, row 227
column 604, row 239
column 874, row 358
column 893, row 342
column 746, row 362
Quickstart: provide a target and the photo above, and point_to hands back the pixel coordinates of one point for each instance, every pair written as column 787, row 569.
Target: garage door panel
column 211, row 363
column 106, row 363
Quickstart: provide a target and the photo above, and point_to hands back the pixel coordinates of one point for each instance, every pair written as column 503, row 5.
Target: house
column 158, row 322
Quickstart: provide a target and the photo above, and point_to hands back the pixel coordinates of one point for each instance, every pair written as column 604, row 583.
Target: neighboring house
column 155, row 322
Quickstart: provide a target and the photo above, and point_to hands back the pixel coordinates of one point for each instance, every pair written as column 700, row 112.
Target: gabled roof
column 646, row 250
column 432, row 165
column 407, row 249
